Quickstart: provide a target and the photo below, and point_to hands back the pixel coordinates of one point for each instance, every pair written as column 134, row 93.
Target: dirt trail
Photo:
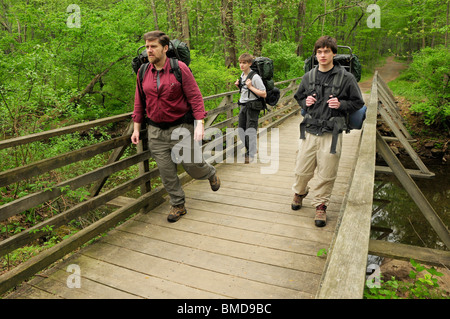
column 389, row 71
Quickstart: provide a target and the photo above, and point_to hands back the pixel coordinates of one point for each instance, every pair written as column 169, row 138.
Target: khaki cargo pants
column 165, row 146
column 314, row 152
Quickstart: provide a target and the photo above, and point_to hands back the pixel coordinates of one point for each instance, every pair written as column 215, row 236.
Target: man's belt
column 187, row 118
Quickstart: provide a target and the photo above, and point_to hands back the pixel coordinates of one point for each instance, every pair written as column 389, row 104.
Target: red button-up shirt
column 171, row 100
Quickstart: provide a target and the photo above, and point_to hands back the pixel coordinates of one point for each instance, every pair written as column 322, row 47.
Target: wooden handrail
column 344, row 275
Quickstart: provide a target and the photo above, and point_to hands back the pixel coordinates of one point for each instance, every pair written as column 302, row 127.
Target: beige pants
column 161, row 143
column 314, row 152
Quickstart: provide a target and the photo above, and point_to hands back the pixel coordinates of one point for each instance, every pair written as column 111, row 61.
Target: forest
column 64, row 63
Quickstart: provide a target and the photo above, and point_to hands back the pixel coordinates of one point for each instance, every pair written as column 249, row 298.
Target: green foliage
column 426, row 83
column 424, row 285
column 211, row 74
column 287, row 65
column 322, row 252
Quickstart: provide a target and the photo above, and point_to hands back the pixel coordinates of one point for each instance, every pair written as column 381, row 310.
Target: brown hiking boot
column 321, row 215
column 214, row 182
column 176, row 212
column 297, row 201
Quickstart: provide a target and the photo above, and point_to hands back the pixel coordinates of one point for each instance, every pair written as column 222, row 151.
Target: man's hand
column 135, row 135
column 310, row 100
column 333, row 102
column 199, row 131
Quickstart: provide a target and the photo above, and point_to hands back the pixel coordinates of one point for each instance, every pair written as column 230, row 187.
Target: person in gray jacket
column 321, row 129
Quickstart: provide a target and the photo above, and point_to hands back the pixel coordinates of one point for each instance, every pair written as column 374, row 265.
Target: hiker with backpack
column 252, row 91
column 167, row 105
column 326, row 95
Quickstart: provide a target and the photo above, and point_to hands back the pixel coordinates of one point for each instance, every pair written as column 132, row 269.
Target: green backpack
column 264, row 68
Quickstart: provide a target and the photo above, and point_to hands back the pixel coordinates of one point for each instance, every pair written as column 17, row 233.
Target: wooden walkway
column 243, row 241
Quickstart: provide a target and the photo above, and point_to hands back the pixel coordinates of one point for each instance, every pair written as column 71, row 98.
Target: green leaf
column 434, row 272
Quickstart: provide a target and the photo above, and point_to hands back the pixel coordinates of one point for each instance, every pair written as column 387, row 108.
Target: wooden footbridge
column 243, row 241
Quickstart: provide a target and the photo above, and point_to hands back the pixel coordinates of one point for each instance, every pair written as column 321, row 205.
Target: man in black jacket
column 324, row 110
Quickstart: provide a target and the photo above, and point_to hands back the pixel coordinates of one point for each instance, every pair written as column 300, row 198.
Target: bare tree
column 228, row 30
column 299, row 30
column 185, row 35
column 155, row 14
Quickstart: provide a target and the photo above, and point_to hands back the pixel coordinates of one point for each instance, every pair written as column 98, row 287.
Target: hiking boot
column 297, row 201
column 321, row 215
column 176, row 212
column 214, row 182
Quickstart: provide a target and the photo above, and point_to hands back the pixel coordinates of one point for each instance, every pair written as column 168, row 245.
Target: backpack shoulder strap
column 250, row 76
column 312, row 79
column 175, row 69
column 337, row 81
column 141, row 74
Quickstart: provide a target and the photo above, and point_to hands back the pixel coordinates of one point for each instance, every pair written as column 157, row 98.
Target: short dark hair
column 162, row 38
column 326, row 42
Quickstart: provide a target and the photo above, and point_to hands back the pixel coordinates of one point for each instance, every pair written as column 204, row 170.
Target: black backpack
column 349, row 61
column 264, row 68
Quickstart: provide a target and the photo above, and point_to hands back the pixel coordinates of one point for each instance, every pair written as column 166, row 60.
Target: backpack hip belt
column 335, row 124
column 187, row 118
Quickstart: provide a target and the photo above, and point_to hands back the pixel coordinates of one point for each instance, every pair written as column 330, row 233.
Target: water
column 396, row 210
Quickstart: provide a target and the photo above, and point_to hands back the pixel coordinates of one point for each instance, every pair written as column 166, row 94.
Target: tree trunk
column 178, row 20
column 155, row 14
column 171, row 16
column 228, row 30
column 185, row 23
column 259, row 35
column 301, row 20
column 446, row 31
column 324, row 16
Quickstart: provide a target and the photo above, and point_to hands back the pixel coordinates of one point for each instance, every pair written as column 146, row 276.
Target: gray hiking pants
column 173, row 146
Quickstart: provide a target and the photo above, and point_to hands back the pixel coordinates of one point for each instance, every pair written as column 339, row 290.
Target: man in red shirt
column 171, row 107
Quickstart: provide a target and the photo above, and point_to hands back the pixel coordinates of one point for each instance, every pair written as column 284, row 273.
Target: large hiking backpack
column 264, row 68
column 349, row 61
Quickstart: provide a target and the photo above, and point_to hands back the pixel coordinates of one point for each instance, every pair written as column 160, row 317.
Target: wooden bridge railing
column 97, row 177
column 345, row 272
